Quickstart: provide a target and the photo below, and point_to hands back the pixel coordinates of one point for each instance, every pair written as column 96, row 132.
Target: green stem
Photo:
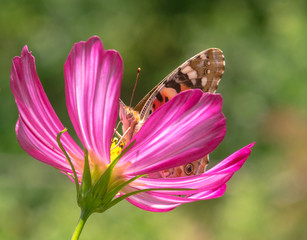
column 84, row 216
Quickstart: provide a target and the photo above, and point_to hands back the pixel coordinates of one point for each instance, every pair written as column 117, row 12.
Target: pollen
column 116, row 148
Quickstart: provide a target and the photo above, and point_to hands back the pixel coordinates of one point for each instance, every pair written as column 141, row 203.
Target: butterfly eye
column 188, row 169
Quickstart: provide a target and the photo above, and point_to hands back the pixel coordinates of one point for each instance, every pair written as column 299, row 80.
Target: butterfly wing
column 203, row 71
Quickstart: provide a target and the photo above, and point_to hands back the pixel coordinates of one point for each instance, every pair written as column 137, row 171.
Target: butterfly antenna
column 136, row 81
column 117, row 125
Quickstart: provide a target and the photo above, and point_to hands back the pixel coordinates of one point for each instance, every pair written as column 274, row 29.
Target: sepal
column 86, row 184
column 93, row 198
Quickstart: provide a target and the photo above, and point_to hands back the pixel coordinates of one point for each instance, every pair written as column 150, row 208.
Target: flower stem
column 82, row 220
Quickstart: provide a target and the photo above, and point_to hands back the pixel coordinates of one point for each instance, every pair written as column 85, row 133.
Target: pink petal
column 211, row 179
column 185, row 129
column 159, row 202
column 38, row 124
column 232, row 163
column 151, row 203
column 207, row 185
column 203, row 183
column 209, row 194
column 204, row 195
column 211, row 184
column 92, row 82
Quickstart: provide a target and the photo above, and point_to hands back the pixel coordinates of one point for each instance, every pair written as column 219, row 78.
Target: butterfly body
column 203, row 71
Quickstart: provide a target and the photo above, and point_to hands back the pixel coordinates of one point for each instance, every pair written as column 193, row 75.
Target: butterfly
column 203, row 71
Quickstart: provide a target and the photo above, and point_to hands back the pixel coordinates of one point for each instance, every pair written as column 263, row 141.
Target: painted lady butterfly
column 203, row 71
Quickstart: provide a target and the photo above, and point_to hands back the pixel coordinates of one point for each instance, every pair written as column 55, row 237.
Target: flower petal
column 149, row 202
column 211, row 184
column 158, row 202
column 92, row 84
column 232, row 163
column 38, row 124
column 209, row 194
column 212, row 179
column 188, row 127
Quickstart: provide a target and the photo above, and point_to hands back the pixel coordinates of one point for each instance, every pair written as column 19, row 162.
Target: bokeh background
column 265, row 96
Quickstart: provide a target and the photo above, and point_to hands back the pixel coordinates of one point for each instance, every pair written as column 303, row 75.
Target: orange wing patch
column 163, row 96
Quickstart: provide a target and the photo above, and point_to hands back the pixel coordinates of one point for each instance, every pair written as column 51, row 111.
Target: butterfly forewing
column 203, row 71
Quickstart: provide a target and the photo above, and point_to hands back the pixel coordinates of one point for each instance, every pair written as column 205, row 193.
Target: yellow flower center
column 116, row 148
column 97, row 168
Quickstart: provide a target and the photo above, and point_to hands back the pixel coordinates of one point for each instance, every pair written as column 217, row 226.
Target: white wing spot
column 204, row 81
column 193, row 81
column 192, row 74
column 186, row 70
column 202, row 56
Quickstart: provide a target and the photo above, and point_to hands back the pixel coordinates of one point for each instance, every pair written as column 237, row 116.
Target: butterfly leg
column 121, row 137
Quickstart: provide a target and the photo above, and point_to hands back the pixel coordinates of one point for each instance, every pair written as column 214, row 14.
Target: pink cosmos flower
column 183, row 130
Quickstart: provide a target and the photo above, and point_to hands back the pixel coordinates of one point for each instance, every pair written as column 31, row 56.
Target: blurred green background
column 265, row 96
